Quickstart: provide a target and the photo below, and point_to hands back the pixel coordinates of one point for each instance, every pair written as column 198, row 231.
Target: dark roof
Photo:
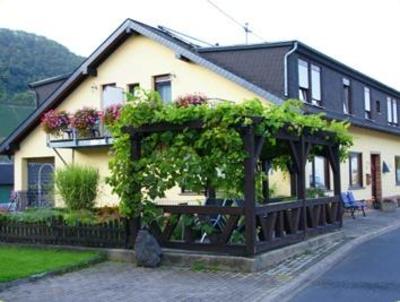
column 59, row 78
column 6, row 174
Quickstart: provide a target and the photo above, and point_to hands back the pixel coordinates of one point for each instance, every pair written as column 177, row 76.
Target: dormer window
column 367, row 103
column 309, row 83
column 392, row 114
column 303, row 81
column 346, row 96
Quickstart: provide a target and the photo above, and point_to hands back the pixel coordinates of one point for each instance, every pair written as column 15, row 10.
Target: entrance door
column 40, row 182
column 376, row 185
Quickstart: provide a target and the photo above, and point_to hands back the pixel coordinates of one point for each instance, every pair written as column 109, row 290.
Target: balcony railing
column 98, row 136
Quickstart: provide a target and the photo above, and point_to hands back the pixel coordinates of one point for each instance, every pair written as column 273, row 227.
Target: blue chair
column 347, row 204
column 358, row 204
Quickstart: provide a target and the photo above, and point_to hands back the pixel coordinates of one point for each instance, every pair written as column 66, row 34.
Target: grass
column 21, row 262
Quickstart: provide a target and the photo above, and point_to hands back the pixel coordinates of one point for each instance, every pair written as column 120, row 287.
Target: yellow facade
column 138, row 60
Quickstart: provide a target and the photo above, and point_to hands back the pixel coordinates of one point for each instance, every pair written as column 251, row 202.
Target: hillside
column 26, row 58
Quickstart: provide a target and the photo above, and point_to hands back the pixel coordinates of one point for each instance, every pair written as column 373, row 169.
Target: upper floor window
column 112, row 95
column 303, row 81
column 367, row 103
column 346, row 96
column 392, row 114
column 315, row 85
column 355, row 169
column 378, row 106
column 162, row 84
column 309, row 79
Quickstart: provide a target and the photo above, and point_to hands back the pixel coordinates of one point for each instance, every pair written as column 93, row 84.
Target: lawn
column 20, row 262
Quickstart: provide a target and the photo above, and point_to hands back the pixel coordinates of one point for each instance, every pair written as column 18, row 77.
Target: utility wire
column 245, row 27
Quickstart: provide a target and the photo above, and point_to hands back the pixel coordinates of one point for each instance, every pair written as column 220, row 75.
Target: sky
column 364, row 34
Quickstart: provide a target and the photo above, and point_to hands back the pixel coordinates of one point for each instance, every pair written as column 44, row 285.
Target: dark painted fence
column 112, row 234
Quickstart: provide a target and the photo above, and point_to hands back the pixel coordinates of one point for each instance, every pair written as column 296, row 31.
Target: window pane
column 162, row 85
column 303, row 74
column 112, row 95
column 346, row 99
column 397, row 168
column 319, row 168
column 316, row 82
column 367, row 99
column 355, row 170
column 394, row 111
column 389, row 109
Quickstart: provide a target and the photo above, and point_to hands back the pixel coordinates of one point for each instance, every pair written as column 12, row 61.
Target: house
column 136, row 54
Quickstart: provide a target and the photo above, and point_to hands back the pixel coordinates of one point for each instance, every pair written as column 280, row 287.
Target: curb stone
column 288, row 291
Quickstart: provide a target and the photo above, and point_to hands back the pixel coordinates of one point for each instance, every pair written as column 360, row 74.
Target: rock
column 148, row 251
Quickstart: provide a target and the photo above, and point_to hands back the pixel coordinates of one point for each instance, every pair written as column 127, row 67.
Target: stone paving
column 112, row 281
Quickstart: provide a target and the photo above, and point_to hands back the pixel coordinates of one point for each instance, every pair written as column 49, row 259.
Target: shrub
column 77, row 186
column 191, row 99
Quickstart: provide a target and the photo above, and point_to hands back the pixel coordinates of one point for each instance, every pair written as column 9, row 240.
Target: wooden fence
column 112, row 234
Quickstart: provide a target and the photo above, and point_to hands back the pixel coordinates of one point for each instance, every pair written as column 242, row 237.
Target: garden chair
column 347, row 204
column 358, row 204
column 216, row 220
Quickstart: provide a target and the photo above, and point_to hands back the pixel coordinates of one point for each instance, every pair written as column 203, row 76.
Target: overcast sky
column 364, row 34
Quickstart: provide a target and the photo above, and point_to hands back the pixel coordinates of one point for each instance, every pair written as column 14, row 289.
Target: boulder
column 147, row 249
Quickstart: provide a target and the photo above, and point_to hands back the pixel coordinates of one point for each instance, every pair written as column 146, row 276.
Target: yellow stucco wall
column 372, row 142
column 138, row 60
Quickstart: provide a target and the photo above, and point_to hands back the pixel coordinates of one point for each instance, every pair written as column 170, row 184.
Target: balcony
column 98, row 136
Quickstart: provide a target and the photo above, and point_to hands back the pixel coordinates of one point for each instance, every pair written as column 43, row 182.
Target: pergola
column 266, row 225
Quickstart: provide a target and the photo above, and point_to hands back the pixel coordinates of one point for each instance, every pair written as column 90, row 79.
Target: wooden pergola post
column 249, row 190
column 136, row 152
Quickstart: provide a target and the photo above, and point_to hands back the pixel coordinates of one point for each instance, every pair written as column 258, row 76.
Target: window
column 378, row 106
column 315, row 85
column 133, row 87
column 392, row 114
column 303, row 81
column 355, row 168
column 319, row 176
column 397, row 169
column 346, row 96
column 112, row 95
column 367, row 103
column 162, row 84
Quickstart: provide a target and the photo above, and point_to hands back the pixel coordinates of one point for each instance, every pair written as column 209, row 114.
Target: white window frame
column 303, row 80
column 367, row 102
column 315, row 85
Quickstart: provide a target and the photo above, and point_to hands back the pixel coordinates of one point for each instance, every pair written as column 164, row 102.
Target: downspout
column 285, row 62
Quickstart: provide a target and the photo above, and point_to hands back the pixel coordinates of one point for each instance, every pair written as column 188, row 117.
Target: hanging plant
column 84, row 121
column 54, row 122
column 111, row 114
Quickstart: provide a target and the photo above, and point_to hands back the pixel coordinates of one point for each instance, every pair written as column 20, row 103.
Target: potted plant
column 111, row 114
column 55, row 122
column 191, row 99
column 84, row 121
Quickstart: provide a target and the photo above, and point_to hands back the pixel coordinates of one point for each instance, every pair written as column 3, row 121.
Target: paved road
column 370, row 273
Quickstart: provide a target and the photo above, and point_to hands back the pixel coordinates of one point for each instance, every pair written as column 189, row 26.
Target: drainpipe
column 285, row 62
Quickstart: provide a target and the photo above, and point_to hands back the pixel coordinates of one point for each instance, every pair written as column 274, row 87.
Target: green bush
column 77, row 186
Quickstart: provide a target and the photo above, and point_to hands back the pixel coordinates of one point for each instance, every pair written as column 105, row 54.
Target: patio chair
column 358, row 204
column 347, row 204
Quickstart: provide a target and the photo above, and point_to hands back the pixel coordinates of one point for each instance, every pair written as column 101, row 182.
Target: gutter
column 285, row 63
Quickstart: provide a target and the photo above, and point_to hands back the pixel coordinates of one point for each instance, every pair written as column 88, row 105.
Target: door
column 376, row 189
column 40, row 182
